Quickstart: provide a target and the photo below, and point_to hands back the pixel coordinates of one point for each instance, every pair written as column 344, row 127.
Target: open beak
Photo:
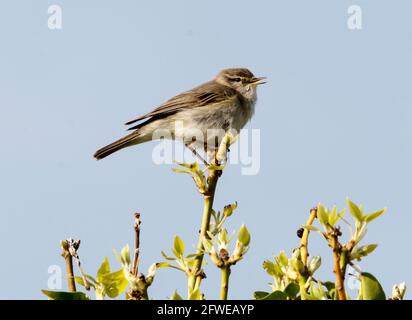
column 258, row 81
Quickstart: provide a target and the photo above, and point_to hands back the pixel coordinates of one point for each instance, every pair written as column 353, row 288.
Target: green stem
column 224, row 288
column 305, row 237
column 194, row 281
column 302, row 290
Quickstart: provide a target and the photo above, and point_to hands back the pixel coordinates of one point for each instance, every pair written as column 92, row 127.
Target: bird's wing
column 208, row 93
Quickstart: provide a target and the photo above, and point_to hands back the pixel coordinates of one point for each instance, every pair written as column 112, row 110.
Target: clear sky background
column 334, row 118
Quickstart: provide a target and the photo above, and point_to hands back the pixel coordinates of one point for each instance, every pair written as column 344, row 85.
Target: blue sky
column 334, row 120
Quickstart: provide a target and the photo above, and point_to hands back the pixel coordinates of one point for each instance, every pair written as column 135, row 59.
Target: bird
column 223, row 104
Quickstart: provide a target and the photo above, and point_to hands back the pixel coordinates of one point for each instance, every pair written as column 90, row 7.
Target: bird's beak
column 258, row 81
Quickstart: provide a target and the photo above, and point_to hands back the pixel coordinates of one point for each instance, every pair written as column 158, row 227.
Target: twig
column 305, row 237
column 337, row 251
column 195, row 279
column 137, row 223
column 224, row 288
column 69, row 265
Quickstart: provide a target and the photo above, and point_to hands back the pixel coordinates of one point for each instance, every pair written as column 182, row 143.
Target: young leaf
column 162, row 265
column 282, row 259
column 373, row 216
column 359, row 252
column 125, row 256
column 80, row 281
column 167, row 257
column 370, row 288
column 207, row 245
column 175, row 296
column 269, row 267
column 179, row 247
column 333, row 215
column 181, row 171
column 195, row 295
column 115, row 283
column 223, row 236
column 314, row 264
column 322, row 215
column 312, row 228
column 104, row 269
column 355, row 211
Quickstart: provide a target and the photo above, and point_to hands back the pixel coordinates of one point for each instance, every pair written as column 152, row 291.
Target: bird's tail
column 127, row 141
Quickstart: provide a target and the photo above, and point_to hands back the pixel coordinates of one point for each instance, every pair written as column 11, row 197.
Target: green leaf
column 207, row 245
column 275, row 295
column 192, row 166
column 370, row 288
column 80, row 281
column 167, row 257
column 282, row 259
column 162, row 265
column 355, row 210
column 359, row 252
column 312, row 228
column 244, row 235
column 181, row 171
column 373, row 216
column 195, row 295
column 62, row 295
column 335, row 216
column 223, row 236
column 269, row 267
column 104, row 268
column 314, row 264
column 115, row 283
column 329, row 285
column 125, row 256
column 258, row 295
column 179, row 247
column 193, row 255
column 316, row 292
column 322, row 215
column 292, row 290
column 175, row 296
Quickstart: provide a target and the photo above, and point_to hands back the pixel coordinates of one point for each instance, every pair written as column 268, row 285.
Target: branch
column 224, row 287
column 305, row 237
column 340, row 277
column 69, row 265
column 208, row 197
column 137, row 223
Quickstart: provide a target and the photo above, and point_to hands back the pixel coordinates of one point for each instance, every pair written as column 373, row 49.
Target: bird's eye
column 236, row 79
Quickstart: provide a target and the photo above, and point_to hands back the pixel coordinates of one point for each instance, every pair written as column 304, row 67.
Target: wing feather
column 208, row 93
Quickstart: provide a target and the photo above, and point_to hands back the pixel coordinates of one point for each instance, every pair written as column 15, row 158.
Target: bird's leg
column 219, row 172
column 187, row 145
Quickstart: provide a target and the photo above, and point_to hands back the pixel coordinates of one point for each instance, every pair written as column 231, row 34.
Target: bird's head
column 240, row 79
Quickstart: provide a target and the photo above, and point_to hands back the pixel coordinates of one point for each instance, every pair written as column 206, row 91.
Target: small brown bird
column 225, row 103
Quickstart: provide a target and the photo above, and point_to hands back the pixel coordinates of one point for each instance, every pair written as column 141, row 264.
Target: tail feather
column 127, row 141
